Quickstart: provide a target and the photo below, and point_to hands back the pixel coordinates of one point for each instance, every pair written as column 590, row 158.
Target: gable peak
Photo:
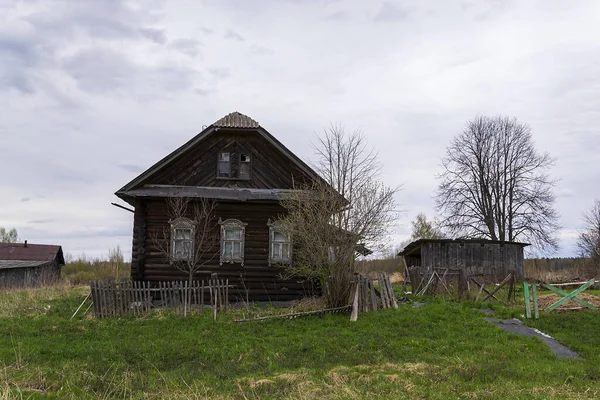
column 236, row 120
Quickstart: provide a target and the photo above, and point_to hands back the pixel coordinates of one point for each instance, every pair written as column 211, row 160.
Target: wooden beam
column 124, row 208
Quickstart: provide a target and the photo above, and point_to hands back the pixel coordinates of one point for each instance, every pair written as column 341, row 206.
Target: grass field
column 441, row 350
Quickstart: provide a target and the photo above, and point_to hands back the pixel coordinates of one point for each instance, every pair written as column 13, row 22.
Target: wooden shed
column 29, row 265
column 242, row 167
column 490, row 258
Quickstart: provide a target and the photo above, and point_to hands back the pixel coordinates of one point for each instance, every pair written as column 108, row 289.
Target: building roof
column 411, row 247
column 236, row 120
column 31, row 252
column 10, row 264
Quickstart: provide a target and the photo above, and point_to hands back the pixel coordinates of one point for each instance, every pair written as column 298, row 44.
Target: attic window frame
column 235, row 164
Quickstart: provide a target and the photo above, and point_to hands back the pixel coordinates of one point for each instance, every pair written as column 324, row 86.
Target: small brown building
column 491, row 258
column 238, row 164
column 29, row 265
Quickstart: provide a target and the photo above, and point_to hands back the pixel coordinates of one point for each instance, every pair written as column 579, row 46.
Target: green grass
column 438, row 351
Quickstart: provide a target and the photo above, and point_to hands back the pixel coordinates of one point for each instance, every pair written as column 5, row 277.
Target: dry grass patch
column 545, row 300
column 33, row 302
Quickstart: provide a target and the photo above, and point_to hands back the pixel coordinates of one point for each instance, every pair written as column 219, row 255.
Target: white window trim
column 182, row 223
column 276, row 226
column 229, row 224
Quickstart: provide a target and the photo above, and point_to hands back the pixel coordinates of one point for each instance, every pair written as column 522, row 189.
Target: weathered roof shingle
column 236, row 120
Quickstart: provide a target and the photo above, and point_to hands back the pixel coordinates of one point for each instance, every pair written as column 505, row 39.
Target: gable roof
column 31, row 252
column 234, row 120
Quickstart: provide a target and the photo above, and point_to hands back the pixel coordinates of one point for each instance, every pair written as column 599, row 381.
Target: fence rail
column 111, row 298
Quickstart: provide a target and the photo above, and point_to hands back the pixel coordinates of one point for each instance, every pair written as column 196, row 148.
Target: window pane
column 228, row 250
column 237, row 246
column 233, row 234
column 275, row 251
column 183, row 234
column 279, row 237
column 244, row 171
column 245, row 158
column 224, row 169
column 285, row 251
column 224, row 157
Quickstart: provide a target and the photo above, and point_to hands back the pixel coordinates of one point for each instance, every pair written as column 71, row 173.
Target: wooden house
column 490, row 258
column 243, row 169
column 29, row 265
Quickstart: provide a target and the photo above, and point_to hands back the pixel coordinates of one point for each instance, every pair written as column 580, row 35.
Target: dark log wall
column 198, row 166
column 256, row 280
column 490, row 259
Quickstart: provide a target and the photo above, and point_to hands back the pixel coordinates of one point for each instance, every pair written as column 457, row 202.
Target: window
column 224, row 165
column 280, row 244
column 244, row 166
column 182, row 239
column 232, row 241
column 234, row 165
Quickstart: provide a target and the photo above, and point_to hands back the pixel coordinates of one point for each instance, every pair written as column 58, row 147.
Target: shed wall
column 495, row 260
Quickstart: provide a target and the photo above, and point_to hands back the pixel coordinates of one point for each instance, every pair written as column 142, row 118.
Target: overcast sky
column 94, row 92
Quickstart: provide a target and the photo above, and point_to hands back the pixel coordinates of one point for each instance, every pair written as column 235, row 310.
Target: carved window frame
column 276, row 227
column 232, row 224
column 182, row 224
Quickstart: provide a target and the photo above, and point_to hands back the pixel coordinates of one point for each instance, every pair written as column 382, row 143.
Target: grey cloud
column 41, row 221
column 32, row 44
column 206, row 31
column 25, row 199
column 390, row 12
column 104, row 70
column 202, row 92
column 220, row 72
column 338, row 16
column 260, row 50
column 230, row 34
column 156, row 35
column 189, row 47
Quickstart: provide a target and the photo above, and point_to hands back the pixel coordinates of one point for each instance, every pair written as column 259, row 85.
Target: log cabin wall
column 491, row 259
column 255, row 280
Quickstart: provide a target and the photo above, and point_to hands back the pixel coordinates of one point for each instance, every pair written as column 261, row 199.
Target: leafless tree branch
column 495, row 185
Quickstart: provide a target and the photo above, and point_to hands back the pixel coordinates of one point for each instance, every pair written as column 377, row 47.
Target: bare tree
column 191, row 239
column 588, row 242
column 495, row 185
column 8, row 236
column 330, row 219
column 425, row 229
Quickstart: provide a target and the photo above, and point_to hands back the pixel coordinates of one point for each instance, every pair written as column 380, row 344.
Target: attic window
column 234, row 165
column 224, row 165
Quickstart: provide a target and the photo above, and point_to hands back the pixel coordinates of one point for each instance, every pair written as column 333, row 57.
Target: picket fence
column 124, row 297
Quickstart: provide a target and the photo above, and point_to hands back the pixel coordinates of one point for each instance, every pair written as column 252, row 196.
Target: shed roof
column 10, row 264
column 31, row 252
column 411, row 247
